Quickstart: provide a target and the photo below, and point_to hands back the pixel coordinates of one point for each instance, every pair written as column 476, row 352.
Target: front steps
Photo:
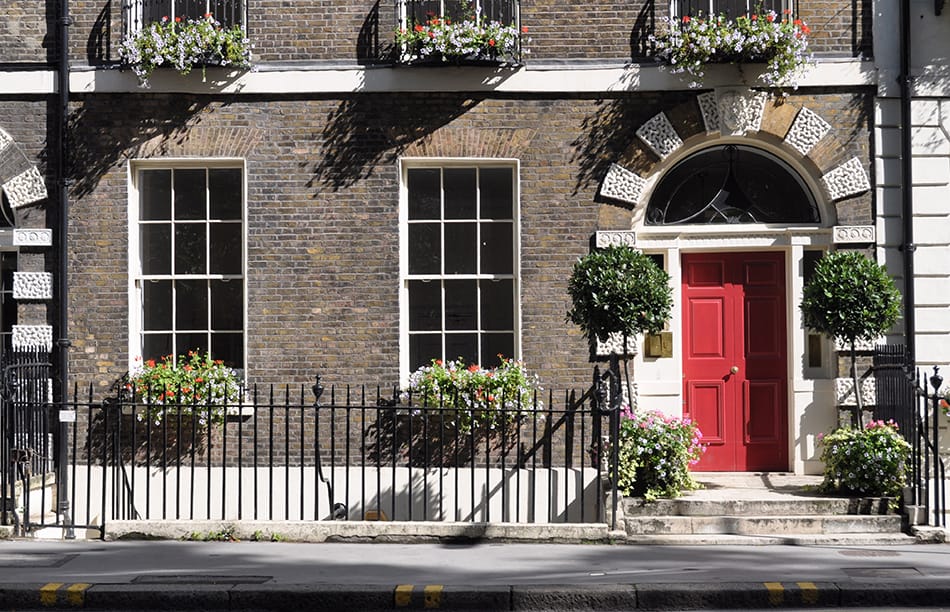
column 762, row 509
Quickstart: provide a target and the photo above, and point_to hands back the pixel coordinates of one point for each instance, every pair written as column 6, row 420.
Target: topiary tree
column 852, row 298
column 618, row 290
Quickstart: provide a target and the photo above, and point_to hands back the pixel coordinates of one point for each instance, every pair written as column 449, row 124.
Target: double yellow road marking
column 75, row 594
column 808, row 590
column 431, row 596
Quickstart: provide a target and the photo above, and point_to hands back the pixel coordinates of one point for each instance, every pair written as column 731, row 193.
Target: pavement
column 183, row 575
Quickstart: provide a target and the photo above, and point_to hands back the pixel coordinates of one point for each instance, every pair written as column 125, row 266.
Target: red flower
column 431, row 34
column 150, row 363
column 754, row 17
column 207, row 15
column 770, row 18
column 473, row 368
column 177, row 19
column 524, row 29
column 797, row 22
column 686, row 19
column 419, row 28
column 806, row 29
column 491, row 42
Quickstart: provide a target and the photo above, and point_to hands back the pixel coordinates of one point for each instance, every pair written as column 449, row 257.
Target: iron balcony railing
column 136, row 14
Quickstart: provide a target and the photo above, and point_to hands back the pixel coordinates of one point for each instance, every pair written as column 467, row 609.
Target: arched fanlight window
column 731, row 184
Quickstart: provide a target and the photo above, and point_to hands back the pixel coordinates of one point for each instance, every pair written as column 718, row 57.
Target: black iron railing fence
column 138, row 13
column 911, row 399
column 308, row 454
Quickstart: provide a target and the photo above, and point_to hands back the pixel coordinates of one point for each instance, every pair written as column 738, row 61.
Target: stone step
column 762, row 525
column 785, row 506
column 846, row 539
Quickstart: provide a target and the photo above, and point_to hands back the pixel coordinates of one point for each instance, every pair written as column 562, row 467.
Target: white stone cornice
column 531, row 78
column 33, row 237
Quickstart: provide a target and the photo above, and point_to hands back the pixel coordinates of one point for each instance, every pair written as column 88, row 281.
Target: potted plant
column 852, row 298
column 472, row 38
column 656, row 451
column 778, row 41
column 183, row 44
column 872, row 460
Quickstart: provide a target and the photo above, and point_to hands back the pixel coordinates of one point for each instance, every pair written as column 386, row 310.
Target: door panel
column 734, row 358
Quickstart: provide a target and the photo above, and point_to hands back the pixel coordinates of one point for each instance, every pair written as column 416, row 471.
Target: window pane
column 460, row 248
column 497, row 248
column 497, row 193
column 191, row 304
column 425, row 246
column 156, row 346
column 155, row 189
column 459, row 193
column 225, row 190
column 498, row 305
column 229, row 348
column 463, row 346
column 190, row 194
column 184, row 343
column 423, row 348
column 494, row 345
column 157, row 305
column 425, row 306
column 225, row 252
column 190, row 248
column 461, row 304
column 425, row 201
column 227, row 305
column 156, row 249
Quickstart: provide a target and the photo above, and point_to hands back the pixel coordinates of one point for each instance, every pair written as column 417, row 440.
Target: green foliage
column 183, row 44
column 225, row 534
column 618, row 290
column 193, row 385
column 261, row 536
column 870, row 461
column 850, row 297
column 655, row 453
column 475, row 396
column 473, row 37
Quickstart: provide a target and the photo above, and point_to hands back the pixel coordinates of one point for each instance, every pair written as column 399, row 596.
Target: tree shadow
column 100, row 136
column 370, row 49
column 99, row 43
column 643, row 27
column 369, row 130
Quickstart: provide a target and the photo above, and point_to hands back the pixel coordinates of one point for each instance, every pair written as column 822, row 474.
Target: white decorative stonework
column 25, row 188
column 622, row 184
column 603, row 240
column 843, row 346
column 33, row 237
column 844, row 391
column 848, row 179
column 614, row 346
column 709, row 107
column 806, row 131
column 33, row 336
column 32, row 286
column 740, row 111
column 660, row 135
column 850, row 234
column 5, row 140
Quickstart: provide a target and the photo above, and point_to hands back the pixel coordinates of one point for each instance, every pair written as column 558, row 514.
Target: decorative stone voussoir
column 33, row 237
column 853, row 234
column 622, row 184
column 660, row 135
column 33, row 337
column 32, row 286
column 605, row 239
column 5, row 140
column 614, row 346
column 846, row 180
column 844, row 391
column 740, row 111
column 709, row 108
column 806, row 131
column 25, row 188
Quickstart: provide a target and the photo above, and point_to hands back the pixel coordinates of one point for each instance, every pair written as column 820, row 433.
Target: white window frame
column 405, row 164
column 710, row 9
column 135, row 275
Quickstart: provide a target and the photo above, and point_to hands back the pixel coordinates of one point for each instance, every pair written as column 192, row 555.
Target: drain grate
column 869, row 553
column 882, row 572
column 199, row 579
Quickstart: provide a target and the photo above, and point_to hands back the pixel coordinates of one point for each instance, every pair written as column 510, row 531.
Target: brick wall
column 23, row 31
column 362, row 31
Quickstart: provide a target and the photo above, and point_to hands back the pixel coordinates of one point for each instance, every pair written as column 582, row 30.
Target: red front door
column 734, row 358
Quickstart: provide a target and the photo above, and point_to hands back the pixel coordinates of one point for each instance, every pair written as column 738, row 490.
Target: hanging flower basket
column 780, row 43
column 184, row 44
column 470, row 41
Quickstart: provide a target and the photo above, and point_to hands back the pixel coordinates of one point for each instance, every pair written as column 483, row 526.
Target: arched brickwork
column 19, row 177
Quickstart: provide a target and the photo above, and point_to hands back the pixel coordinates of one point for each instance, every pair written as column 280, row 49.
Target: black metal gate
column 27, row 475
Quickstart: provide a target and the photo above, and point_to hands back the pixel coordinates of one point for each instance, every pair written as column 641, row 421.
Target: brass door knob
column 734, row 369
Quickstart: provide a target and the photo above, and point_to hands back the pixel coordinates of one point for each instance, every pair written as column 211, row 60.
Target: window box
column 778, row 40
column 483, row 32
column 184, row 35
